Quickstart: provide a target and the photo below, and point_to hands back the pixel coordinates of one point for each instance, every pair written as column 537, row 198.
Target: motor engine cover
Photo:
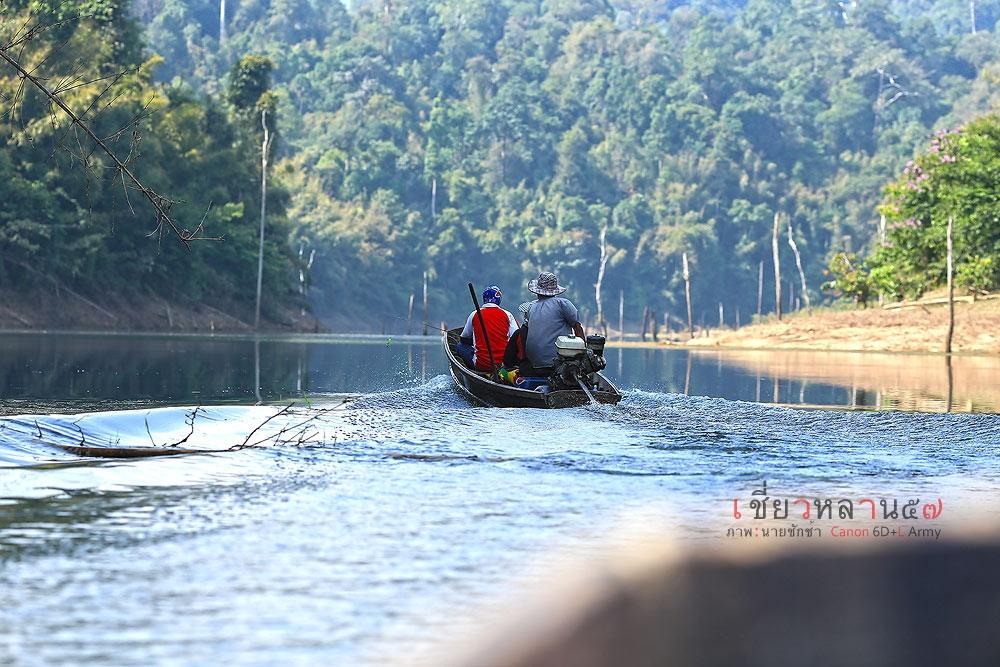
column 576, row 359
column 570, row 346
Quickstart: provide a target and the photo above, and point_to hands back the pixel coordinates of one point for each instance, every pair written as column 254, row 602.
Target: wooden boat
column 481, row 389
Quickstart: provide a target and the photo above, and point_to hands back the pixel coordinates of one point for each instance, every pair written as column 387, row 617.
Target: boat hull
column 486, row 392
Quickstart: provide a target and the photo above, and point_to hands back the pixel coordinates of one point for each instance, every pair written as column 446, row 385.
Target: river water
column 373, row 519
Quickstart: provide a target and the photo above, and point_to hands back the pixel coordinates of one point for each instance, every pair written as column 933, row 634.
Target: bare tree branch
column 189, row 420
column 159, row 203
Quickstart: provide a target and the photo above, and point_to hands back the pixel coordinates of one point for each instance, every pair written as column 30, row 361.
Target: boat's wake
column 647, row 433
column 429, row 423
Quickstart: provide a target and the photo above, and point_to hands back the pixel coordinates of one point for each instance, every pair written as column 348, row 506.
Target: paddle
column 486, row 337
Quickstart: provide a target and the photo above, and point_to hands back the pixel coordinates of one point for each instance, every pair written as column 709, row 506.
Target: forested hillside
column 70, row 220
column 488, row 140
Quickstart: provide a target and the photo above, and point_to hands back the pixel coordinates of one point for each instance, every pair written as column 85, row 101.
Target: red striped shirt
column 500, row 325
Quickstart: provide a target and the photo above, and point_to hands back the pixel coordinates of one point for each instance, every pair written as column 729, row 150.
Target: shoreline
column 60, row 311
column 331, row 336
column 262, row 335
column 917, row 328
column 705, row 345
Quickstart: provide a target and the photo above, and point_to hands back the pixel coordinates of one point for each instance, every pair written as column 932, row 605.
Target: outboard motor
column 577, row 359
column 596, row 343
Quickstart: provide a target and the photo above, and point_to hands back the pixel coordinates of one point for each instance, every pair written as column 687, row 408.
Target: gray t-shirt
column 549, row 318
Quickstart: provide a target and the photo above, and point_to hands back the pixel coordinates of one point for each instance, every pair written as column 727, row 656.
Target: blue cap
column 492, row 294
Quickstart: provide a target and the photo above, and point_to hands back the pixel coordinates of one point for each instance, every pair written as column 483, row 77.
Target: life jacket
column 497, row 326
column 514, row 356
column 519, row 340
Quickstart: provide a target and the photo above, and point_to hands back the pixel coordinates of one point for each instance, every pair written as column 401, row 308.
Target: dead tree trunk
column 777, row 266
column 265, row 146
column 304, row 269
column 722, row 316
column 760, row 286
column 645, row 322
column 426, row 312
column 951, row 290
column 601, row 269
column 621, row 314
column 655, row 324
column 687, row 293
column 434, row 196
column 222, row 23
column 972, row 15
column 798, row 264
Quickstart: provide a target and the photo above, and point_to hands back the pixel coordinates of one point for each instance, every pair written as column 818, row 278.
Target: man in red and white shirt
column 500, row 326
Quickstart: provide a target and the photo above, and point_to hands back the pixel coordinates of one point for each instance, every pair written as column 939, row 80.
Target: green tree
column 498, row 138
column 63, row 219
column 958, row 177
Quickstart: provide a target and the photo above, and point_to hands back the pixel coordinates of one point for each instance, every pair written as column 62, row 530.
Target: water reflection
column 61, row 372
column 81, row 370
column 912, row 382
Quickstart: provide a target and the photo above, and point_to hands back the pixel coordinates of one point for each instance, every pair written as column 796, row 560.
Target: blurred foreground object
column 915, row 604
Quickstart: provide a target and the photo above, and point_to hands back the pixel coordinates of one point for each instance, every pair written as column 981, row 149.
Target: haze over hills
column 487, row 141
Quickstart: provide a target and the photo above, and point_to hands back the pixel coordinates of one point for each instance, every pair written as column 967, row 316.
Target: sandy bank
column 918, row 328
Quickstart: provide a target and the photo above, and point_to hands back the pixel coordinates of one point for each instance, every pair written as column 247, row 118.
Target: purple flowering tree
column 958, row 175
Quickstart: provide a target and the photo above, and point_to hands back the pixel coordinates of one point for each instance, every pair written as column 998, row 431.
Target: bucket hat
column 546, row 284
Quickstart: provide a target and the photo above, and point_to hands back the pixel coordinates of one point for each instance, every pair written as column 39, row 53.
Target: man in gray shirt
column 550, row 316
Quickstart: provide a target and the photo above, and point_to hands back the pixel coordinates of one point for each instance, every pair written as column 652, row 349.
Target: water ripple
column 398, row 509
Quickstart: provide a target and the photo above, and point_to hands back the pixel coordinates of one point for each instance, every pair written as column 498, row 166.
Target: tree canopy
column 487, row 140
column 956, row 177
column 66, row 214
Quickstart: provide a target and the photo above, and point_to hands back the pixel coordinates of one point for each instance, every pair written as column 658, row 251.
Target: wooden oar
column 486, row 336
